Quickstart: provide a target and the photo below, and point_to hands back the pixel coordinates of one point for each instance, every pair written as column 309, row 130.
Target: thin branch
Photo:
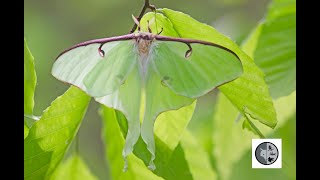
column 146, row 6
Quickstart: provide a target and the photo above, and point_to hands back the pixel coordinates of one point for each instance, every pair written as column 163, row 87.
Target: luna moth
column 143, row 74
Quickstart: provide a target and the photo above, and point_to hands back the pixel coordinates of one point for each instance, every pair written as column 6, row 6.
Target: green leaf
column 168, row 130
column 197, row 158
column 288, row 134
column 26, row 130
column 201, row 124
column 228, row 134
column 285, row 107
column 114, row 141
column 242, row 169
column 74, row 168
column 273, row 46
column 30, row 119
column 249, row 46
column 169, row 127
column 50, row 137
column 30, row 80
column 174, row 160
column 248, row 124
column 249, row 90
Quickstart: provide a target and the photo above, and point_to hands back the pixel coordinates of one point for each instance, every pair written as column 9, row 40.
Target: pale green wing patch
column 85, row 68
column 206, row 68
column 114, row 142
column 127, row 100
column 109, row 74
column 158, row 98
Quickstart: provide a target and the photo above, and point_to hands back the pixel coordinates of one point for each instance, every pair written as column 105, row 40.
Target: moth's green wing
column 127, row 100
column 158, row 98
column 94, row 74
column 110, row 73
column 206, row 68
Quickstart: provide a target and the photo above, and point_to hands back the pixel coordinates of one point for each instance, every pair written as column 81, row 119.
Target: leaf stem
column 254, row 127
column 146, row 6
column 35, row 118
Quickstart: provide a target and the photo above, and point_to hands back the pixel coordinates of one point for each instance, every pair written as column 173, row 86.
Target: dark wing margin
column 191, row 41
column 99, row 41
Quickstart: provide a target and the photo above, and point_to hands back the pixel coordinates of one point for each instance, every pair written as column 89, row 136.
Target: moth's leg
column 160, row 31
column 101, row 52
column 189, row 51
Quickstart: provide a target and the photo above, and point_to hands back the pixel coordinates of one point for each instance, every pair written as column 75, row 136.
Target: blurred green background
column 51, row 26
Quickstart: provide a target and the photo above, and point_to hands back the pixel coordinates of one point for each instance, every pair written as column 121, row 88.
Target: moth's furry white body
column 144, row 49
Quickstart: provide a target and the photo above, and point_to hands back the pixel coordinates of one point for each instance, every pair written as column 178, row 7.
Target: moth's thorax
column 143, row 47
column 143, row 42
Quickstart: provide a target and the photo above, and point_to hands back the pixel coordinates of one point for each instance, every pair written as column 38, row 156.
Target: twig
column 146, row 6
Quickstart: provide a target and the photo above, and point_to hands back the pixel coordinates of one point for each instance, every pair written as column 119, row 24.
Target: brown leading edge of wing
column 147, row 36
column 190, row 41
column 100, row 41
